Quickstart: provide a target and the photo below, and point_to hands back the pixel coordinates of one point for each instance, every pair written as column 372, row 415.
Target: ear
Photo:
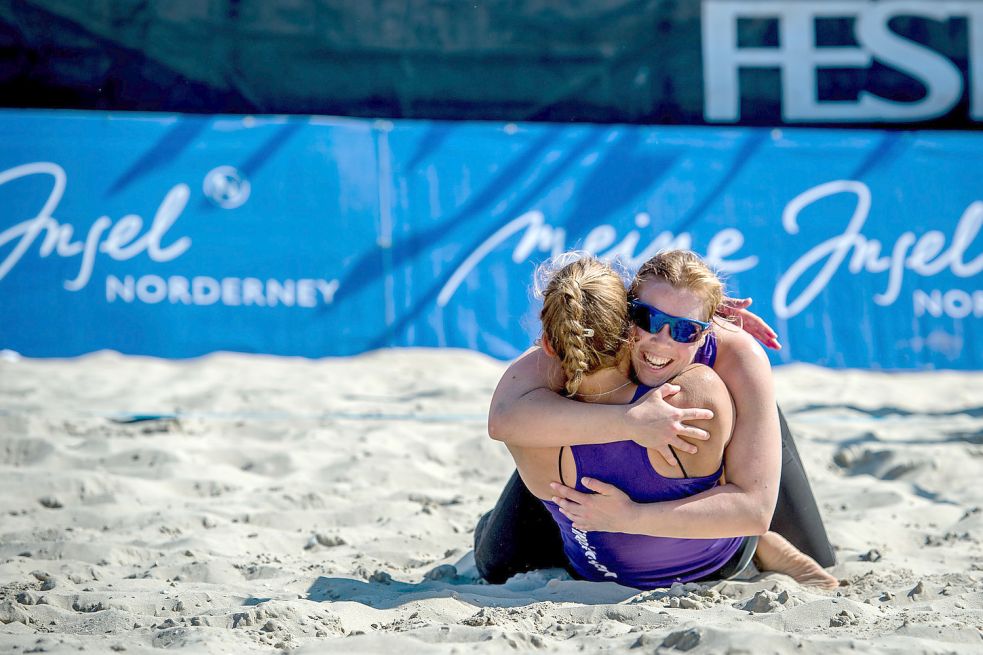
column 547, row 348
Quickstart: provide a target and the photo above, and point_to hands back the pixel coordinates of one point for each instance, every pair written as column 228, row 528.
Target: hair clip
column 588, row 332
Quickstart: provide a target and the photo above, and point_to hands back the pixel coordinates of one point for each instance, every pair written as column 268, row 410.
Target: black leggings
column 519, row 534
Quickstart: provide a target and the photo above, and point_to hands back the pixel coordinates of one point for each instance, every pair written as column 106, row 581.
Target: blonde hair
column 684, row 270
column 585, row 317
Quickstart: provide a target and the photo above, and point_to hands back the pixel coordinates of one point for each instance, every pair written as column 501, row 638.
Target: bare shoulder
column 701, row 387
column 699, row 381
column 533, row 369
column 739, row 357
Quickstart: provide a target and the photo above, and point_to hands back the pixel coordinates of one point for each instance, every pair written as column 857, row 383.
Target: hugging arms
column 761, row 461
column 526, row 409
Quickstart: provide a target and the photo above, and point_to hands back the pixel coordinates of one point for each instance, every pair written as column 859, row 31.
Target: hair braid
column 585, row 318
column 574, row 357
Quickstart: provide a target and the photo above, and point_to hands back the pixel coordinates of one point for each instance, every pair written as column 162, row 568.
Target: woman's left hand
column 607, row 510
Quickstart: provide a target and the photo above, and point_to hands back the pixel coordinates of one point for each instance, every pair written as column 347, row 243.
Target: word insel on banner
column 122, row 240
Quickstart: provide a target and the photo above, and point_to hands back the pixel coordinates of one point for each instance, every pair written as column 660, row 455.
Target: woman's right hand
column 657, row 425
column 737, row 308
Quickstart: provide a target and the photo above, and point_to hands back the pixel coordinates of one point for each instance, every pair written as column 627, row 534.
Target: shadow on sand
column 383, row 592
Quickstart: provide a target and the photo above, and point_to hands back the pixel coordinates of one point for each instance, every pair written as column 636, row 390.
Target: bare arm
column 527, row 410
column 741, row 507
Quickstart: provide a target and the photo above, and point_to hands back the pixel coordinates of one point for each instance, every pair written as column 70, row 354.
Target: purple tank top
column 707, row 354
column 630, row 559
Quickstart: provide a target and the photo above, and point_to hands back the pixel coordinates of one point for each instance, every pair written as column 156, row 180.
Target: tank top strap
column 707, row 353
column 640, row 391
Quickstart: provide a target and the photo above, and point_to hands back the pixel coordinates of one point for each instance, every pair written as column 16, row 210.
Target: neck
column 606, row 385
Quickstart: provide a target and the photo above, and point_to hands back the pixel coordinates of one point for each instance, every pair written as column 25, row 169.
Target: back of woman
column 586, row 328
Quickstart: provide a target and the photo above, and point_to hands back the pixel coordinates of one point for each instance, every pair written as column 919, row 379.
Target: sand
column 328, row 506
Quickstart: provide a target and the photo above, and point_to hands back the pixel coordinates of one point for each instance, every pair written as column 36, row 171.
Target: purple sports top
column 707, row 354
column 639, row 560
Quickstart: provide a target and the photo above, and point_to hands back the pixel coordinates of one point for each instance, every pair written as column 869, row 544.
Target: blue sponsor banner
column 177, row 236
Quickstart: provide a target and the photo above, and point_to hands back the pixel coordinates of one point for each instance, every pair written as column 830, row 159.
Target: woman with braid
column 587, row 331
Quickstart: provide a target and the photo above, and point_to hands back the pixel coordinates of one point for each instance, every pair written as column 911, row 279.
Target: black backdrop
column 632, row 61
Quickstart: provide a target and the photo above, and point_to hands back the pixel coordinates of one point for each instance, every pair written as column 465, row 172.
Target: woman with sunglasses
column 670, row 334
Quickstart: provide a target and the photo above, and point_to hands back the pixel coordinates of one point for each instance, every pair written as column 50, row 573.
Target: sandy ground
column 327, row 506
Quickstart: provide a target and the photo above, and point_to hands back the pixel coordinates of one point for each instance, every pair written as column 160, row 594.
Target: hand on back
column 658, row 425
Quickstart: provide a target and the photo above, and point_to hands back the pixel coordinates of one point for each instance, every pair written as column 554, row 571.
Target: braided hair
column 585, row 318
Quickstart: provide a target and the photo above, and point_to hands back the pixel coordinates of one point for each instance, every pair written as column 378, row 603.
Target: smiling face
column 657, row 358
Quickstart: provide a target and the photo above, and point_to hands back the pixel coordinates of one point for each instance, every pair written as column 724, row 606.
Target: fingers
column 668, row 389
column 694, row 414
column 767, row 337
column 569, row 511
column 766, row 334
column 577, row 521
column 693, row 433
column 684, row 446
column 755, row 325
column 572, row 512
column 602, row 488
column 732, row 306
column 760, row 331
column 680, row 446
column 568, row 508
column 565, row 492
